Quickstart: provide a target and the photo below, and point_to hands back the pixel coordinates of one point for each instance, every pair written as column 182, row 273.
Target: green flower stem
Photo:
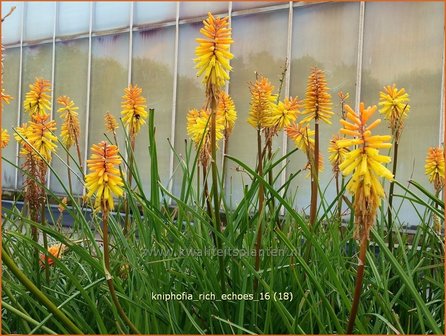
column 261, row 205
column 392, row 186
column 215, row 195
column 43, row 299
column 314, row 175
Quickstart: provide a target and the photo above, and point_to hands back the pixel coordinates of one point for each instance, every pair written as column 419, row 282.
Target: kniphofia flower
column 198, row 129
column 394, row 105
column 70, row 129
column 198, row 126
column 365, row 164
column 317, row 103
column 5, row 138
column 110, row 122
column 212, row 52
column 56, row 251
column 434, row 167
column 285, row 113
column 40, row 135
column 104, row 179
column 302, row 136
column 37, row 101
column 226, row 110
column 336, row 153
column 5, row 97
column 133, row 106
column 262, row 104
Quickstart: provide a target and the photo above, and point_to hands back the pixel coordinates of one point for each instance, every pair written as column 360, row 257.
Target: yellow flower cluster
column 263, row 103
column 285, row 113
column 317, row 103
column 70, row 129
column 104, row 179
column 39, row 134
column 394, row 105
column 434, row 167
column 133, row 108
column 37, row 101
column 213, row 51
column 226, row 110
column 110, row 122
column 303, row 138
column 365, row 164
column 4, row 138
column 337, row 153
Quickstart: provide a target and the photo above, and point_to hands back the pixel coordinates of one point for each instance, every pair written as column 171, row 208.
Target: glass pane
column 190, row 91
column 39, row 20
column 9, row 113
column 71, row 70
column 413, row 61
column 250, row 56
column 238, row 5
column 11, row 26
column 109, row 77
column 333, row 48
column 153, row 64
column 152, row 12
column 36, row 64
column 111, row 15
column 192, row 9
column 74, row 18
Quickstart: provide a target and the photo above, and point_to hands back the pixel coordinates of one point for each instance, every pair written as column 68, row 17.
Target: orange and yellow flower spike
column 104, row 179
column 70, row 129
column 394, row 105
column 40, row 135
column 4, row 138
column 56, row 251
column 263, row 103
column 434, row 167
column 317, row 103
column 134, row 113
column 213, row 53
column 365, row 164
column 198, row 126
column 285, row 113
column 37, row 101
column 226, row 110
column 110, row 122
column 337, row 154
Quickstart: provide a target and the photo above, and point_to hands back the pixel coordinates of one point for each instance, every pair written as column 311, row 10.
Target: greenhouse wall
column 91, row 51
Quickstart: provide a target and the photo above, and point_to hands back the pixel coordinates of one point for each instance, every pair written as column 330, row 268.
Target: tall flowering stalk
column 366, row 166
column 336, row 157
column 38, row 143
column 394, row 106
column 70, row 130
column 104, row 181
column 226, row 110
column 212, row 62
column 262, row 107
column 134, row 115
column 317, row 107
column 434, row 170
column 111, row 125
